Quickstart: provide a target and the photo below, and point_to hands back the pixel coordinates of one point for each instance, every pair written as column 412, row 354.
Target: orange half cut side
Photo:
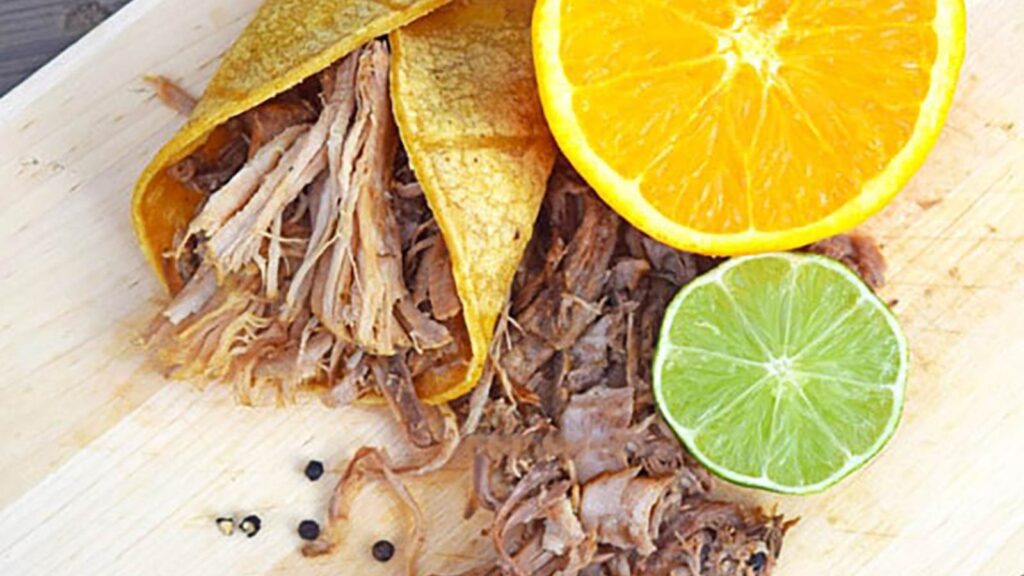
column 735, row 127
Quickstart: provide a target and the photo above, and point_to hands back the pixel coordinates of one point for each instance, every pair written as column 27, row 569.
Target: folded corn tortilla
column 465, row 102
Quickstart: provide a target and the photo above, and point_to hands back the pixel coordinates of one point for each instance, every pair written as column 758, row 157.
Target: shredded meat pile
column 582, row 475
column 579, row 472
column 314, row 257
column 858, row 252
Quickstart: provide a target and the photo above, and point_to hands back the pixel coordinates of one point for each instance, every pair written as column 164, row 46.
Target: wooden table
column 32, row 32
column 106, row 469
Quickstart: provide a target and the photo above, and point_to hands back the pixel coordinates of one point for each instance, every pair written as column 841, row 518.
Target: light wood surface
column 107, row 469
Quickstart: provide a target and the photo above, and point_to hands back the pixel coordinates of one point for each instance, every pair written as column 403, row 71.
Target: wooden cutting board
column 105, row 468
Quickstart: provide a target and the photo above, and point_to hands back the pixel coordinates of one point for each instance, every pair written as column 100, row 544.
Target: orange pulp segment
column 729, row 127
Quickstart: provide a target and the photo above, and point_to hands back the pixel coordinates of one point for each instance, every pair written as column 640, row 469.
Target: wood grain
column 108, row 469
column 32, row 32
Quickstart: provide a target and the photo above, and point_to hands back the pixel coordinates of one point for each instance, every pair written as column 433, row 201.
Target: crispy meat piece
column 526, row 358
column 858, row 252
column 173, row 96
column 424, row 332
column 210, row 167
column 619, row 508
column 395, row 381
column 716, row 539
column 628, row 272
column 560, row 320
column 438, row 455
column 562, row 529
column 265, row 122
column 591, row 354
column 483, row 494
column 589, row 256
column 589, row 426
column 444, row 301
column 542, row 487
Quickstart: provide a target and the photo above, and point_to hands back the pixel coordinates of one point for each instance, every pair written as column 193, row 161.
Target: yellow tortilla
column 287, row 42
column 466, row 103
column 465, row 99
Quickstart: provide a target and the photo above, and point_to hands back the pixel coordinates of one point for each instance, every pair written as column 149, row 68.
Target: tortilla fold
column 465, row 101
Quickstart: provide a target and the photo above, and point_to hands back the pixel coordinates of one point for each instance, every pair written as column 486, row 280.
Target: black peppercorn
column 250, row 525
column 383, row 551
column 226, row 525
column 314, row 470
column 309, row 530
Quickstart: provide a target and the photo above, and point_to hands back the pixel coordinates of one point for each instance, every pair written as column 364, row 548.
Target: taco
column 309, row 240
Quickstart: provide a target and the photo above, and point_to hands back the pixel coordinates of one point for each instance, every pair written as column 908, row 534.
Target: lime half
column 781, row 371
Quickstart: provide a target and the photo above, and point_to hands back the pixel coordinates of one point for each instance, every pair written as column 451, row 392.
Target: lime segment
column 781, row 371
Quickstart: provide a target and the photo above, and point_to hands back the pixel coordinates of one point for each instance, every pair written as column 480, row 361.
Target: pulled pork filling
column 581, row 473
column 314, row 257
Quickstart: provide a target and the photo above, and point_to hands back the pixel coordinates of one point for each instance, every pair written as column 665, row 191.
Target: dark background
column 32, row 32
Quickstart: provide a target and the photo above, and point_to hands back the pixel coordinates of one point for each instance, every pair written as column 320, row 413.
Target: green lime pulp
column 781, row 371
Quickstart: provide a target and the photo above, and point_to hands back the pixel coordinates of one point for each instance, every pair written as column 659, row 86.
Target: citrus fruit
column 781, row 371
column 735, row 127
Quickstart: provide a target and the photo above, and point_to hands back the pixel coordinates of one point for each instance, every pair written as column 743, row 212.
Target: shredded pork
column 172, row 95
column 583, row 475
column 314, row 259
column 858, row 252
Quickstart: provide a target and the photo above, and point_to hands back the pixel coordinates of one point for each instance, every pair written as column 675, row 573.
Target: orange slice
column 730, row 126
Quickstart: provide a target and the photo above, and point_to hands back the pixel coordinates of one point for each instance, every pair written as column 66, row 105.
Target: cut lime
column 781, row 371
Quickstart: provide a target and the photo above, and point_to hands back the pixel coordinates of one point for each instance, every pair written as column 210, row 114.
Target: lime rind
column 788, row 463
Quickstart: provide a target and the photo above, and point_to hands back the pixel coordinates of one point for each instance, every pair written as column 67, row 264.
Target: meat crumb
column 858, row 252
